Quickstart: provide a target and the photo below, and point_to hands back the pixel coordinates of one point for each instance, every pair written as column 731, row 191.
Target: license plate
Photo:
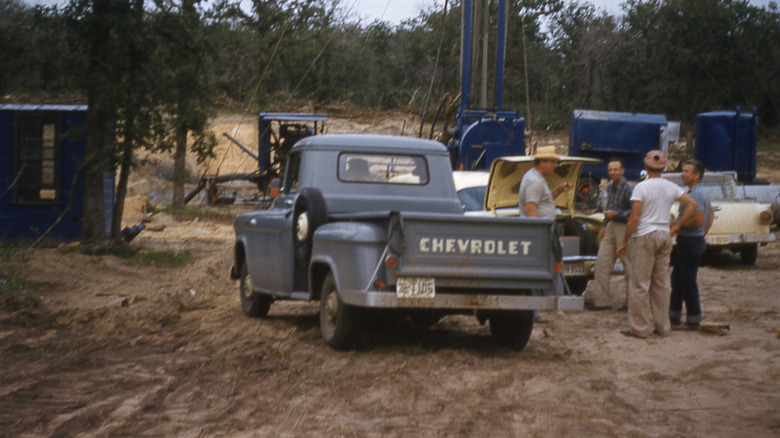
column 574, row 269
column 415, row 287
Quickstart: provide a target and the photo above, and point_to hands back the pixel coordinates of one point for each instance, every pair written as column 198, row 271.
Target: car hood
column 506, row 173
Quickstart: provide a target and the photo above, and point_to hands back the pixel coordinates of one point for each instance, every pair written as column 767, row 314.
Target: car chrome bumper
column 736, row 239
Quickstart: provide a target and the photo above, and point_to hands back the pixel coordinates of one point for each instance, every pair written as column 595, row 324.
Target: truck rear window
column 383, row 169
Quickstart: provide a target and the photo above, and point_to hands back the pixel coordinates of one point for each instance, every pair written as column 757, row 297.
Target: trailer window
column 383, row 169
column 36, row 164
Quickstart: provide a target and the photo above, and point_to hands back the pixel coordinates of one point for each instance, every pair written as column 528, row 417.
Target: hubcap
column 246, row 286
column 331, row 306
column 302, row 227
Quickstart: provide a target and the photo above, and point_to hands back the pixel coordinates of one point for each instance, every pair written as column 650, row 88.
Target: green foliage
column 159, row 65
column 15, row 290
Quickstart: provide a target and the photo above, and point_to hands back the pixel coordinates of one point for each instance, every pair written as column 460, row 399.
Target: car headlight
column 765, row 217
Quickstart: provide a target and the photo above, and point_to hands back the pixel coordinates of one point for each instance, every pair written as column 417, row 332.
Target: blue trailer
column 41, row 150
column 605, row 134
column 726, row 141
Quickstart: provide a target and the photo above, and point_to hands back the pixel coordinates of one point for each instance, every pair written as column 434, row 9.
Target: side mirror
column 273, row 187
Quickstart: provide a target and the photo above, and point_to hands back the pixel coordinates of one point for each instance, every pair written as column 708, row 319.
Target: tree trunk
column 94, row 220
column 179, row 166
column 121, row 190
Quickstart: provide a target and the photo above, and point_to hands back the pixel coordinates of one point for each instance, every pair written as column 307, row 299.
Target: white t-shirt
column 657, row 196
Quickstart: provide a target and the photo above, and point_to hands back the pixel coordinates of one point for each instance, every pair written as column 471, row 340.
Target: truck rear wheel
column 512, row 330
column 337, row 320
column 253, row 304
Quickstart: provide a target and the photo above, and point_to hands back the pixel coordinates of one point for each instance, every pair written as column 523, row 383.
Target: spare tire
column 578, row 228
column 309, row 212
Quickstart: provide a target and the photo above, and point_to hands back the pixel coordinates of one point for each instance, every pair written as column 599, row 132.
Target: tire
column 512, row 330
column 578, row 228
column 309, row 213
column 337, row 320
column 749, row 254
column 253, row 304
column 577, row 285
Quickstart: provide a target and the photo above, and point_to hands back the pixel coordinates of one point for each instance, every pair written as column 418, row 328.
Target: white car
column 578, row 230
column 740, row 225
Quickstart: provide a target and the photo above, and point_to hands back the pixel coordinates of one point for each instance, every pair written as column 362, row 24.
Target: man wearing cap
column 648, row 239
column 536, row 198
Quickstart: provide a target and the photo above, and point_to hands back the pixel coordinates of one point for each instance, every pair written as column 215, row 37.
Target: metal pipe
column 500, row 53
column 240, row 145
column 466, row 49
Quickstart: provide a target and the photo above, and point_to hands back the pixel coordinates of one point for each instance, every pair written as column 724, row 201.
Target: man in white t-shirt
column 648, row 240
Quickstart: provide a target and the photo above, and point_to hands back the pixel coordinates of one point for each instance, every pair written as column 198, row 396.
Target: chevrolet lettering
column 474, row 246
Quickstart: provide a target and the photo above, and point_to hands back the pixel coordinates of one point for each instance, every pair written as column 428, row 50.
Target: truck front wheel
column 337, row 320
column 513, row 330
column 253, row 304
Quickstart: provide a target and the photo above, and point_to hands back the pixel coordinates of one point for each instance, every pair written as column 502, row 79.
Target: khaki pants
column 605, row 262
column 650, row 284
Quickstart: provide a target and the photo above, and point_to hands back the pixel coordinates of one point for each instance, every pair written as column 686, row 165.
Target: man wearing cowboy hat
column 536, row 198
column 648, row 239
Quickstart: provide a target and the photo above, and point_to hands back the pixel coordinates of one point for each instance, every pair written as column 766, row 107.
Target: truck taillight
column 558, row 267
column 379, row 284
column 391, row 262
column 765, row 217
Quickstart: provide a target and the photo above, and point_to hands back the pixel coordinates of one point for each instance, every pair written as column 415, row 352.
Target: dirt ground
column 122, row 347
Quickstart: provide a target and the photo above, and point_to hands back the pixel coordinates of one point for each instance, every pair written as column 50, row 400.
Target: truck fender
column 318, row 270
column 239, row 258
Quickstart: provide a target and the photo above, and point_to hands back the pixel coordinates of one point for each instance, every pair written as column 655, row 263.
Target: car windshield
column 717, row 186
column 472, row 198
column 383, row 169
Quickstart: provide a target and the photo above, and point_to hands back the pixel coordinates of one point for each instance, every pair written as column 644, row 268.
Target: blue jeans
column 685, row 288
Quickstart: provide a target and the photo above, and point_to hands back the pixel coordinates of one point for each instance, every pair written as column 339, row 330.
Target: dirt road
column 127, row 348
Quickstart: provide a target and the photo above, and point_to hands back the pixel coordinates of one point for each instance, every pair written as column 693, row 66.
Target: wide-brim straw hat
column 546, row 153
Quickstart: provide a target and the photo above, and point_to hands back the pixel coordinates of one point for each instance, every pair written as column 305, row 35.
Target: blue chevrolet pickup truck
column 370, row 222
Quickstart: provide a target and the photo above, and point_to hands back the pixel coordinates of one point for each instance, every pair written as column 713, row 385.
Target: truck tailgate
column 476, row 252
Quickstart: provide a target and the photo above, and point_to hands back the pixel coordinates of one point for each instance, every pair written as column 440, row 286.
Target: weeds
column 15, row 290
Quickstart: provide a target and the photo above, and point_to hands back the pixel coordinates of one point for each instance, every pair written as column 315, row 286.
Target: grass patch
column 157, row 257
column 768, row 145
column 16, row 291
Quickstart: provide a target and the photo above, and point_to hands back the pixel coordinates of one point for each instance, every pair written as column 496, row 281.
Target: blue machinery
column 482, row 135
